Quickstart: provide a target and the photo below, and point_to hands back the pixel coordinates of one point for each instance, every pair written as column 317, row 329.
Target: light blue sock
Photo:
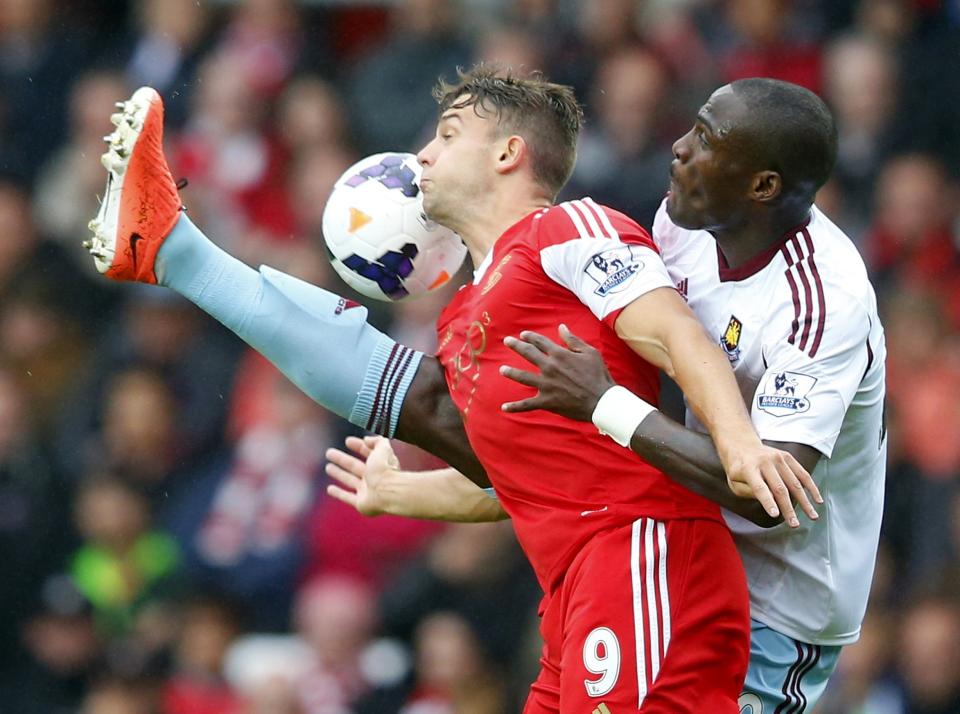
column 320, row 341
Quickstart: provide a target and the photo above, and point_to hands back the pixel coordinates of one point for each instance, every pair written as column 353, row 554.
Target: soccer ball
column 379, row 239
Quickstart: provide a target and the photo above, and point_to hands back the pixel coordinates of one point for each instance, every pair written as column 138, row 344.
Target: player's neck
column 492, row 220
column 755, row 236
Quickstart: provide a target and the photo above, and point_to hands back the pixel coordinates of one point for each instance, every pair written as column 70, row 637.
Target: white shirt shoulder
column 822, row 337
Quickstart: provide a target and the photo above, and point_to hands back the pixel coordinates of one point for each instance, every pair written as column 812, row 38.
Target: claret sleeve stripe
column 821, row 296
column 381, row 415
column 810, row 306
column 391, row 362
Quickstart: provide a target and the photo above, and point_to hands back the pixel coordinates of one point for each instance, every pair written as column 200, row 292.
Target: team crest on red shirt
column 496, row 275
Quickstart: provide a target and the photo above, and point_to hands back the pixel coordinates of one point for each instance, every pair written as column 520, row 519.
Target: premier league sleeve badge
column 785, row 393
column 612, row 269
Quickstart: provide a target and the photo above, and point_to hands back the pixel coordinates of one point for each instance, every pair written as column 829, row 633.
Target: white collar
column 483, row 267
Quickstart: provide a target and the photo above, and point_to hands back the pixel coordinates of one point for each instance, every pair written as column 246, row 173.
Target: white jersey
column 799, row 325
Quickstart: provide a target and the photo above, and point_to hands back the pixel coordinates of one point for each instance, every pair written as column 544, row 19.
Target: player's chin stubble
column 433, row 209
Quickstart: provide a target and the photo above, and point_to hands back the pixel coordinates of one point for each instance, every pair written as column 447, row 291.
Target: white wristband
column 619, row 413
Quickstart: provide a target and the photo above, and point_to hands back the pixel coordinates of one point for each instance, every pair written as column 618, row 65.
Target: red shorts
column 651, row 617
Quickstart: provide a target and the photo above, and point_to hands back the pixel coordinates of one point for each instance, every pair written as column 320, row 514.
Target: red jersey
column 560, row 480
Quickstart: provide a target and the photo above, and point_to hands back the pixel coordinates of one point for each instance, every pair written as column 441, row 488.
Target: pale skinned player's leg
column 319, row 340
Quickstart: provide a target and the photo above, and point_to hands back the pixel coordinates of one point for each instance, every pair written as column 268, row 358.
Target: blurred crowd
column 162, row 505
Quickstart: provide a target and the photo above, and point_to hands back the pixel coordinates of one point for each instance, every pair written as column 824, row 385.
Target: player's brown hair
column 547, row 115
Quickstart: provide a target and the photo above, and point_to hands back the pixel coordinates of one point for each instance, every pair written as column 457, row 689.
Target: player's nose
column 424, row 156
column 681, row 147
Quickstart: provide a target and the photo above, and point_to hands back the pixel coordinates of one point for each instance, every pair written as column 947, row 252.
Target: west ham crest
column 730, row 339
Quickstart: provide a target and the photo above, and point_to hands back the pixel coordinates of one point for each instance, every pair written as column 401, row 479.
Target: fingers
column 359, row 446
column 806, row 480
column 791, row 478
column 525, row 350
column 340, row 494
column 781, row 494
column 344, row 462
column 571, row 340
column 762, row 493
column 343, row 476
column 372, row 440
column 524, row 405
column 741, row 489
column 529, row 379
column 542, row 343
column 383, row 450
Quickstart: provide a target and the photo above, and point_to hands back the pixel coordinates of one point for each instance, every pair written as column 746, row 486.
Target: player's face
column 709, row 179
column 457, row 165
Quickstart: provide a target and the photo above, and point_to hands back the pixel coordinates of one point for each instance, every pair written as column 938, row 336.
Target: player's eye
column 701, row 135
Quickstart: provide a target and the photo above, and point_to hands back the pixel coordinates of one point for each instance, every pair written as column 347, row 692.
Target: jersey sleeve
column 600, row 255
column 812, row 375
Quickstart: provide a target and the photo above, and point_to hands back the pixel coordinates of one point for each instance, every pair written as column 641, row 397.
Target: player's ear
column 766, row 186
column 511, row 151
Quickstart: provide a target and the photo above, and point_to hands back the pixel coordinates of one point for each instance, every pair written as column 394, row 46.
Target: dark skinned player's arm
column 430, row 420
column 689, row 458
column 571, row 380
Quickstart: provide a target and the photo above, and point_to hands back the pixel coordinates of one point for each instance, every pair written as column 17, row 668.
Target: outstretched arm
column 372, row 481
column 661, row 328
column 690, row 458
column 571, row 382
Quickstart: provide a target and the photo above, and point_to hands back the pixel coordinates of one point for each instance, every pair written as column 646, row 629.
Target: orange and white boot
column 140, row 204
